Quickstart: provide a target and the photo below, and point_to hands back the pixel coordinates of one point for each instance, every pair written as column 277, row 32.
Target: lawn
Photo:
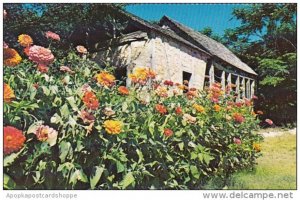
column 276, row 169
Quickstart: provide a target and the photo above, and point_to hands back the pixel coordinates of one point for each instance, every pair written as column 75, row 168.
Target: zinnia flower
column 52, row 36
column 26, row 51
column 270, row 122
column 90, row 100
column 162, row 91
column 217, row 108
column 45, row 133
column 123, row 90
column 259, row 112
column 105, row 78
column 13, row 140
column 199, row 108
column 238, row 118
column 168, row 83
column 161, row 109
column 8, row 93
column 5, row 45
column 168, row 132
column 25, row 40
column 257, row 147
column 178, row 110
column 190, row 119
column 237, row 141
column 66, row 69
column 41, row 55
column 42, row 68
column 81, row 49
column 141, row 75
column 190, row 94
column 113, row 126
column 11, row 57
column 108, row 111
column 86, row 117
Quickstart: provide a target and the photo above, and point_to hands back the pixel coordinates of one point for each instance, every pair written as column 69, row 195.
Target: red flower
column 161, row 109
column 270, row 122
column 238, row 118
column 168, row 83
column 36, row 85
column 178, row 110
column 237, row 141
column 248, row 102
column 168, row 132
column 13, row 140
column 123, row 90
column 239, row 104
column 90, row 100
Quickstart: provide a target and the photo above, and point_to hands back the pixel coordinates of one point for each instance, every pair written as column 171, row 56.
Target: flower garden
column 69, row 124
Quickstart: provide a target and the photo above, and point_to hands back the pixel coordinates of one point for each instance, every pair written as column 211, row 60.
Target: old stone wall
column 166, row 56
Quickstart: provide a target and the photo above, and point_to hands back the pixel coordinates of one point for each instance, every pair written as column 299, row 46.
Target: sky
column 196, row 16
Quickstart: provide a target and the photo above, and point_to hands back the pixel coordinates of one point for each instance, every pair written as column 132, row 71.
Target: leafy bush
column 85, row 131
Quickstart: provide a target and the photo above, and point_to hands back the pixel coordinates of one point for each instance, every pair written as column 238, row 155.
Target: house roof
column 147, row 25
column 213, row 47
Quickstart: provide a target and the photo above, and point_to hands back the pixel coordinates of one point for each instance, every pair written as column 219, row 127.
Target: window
column 121, row 75
column 186, row 77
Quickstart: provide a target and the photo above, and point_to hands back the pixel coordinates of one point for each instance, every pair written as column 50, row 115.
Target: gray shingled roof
column 215, row 48
column 147, row 25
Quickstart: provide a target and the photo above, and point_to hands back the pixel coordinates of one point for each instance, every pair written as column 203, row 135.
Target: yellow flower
column 217, row 108
column 199, row 108
column 11, row 57
column 141, row 75
column 105, row 78
column 257, row 147
column 25, row 40
column 113, row 126
column 8, row 93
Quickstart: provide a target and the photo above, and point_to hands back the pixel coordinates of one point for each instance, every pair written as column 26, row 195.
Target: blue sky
column 196, row 16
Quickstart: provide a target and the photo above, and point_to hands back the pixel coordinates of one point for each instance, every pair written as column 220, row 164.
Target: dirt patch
column 277, row 132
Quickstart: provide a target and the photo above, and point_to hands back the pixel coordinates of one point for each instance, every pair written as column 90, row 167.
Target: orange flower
column 123, row 90
column 105, row 78
column 42, row 68
column 13, row 139
column 217, row 107
column 162, row 91
column 90, row 100
column 113, row 126
column 199, row 108
column 238, row 118
column 161, row 109
column 168, row 132
column 11, row 57
column 257, row 147
column 25, row 40
column 8, row 93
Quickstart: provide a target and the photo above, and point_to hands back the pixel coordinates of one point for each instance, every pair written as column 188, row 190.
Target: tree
column 267, row 41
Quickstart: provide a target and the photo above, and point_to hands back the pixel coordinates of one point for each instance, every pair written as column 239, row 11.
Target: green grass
column 276, row 169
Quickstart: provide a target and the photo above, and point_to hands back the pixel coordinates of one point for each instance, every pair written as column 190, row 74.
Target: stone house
column 177, row 53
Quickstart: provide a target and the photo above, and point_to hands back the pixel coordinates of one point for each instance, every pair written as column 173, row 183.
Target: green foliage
column 86, row 156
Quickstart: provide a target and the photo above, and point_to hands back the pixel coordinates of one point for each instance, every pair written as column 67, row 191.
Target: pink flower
column 270, row 122
column 5, row 45
column 86, row 88
column 86, row 117
column 237, row 141
column 41, row 55
column 254, row 97
column 52, row 36
column 47, row 134
column 66, row 69
column 81, row 49
column 4, row 14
